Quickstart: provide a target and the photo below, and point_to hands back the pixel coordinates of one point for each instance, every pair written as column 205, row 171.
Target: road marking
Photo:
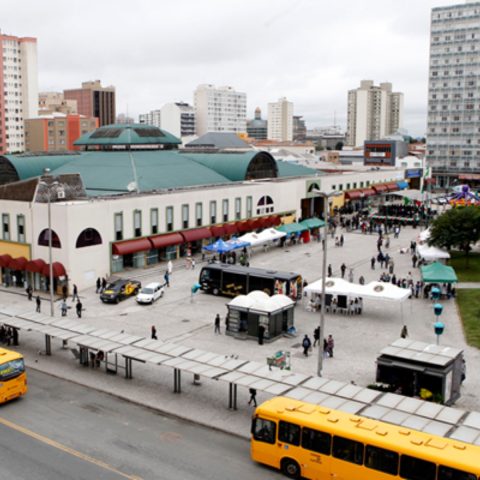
column 65, row 449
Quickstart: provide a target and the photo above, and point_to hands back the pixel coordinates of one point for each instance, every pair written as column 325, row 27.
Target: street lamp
column 325, row 197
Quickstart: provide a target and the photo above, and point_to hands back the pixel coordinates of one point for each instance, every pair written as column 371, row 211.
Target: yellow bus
column 13, row 379
column 315, row 442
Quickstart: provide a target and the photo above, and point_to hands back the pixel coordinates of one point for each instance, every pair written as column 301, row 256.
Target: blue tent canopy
column 220, row 246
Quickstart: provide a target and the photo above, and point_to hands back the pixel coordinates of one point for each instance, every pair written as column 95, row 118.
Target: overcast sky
column 158, row 51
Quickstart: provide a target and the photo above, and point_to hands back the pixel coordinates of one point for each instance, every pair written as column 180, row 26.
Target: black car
column 120, row 289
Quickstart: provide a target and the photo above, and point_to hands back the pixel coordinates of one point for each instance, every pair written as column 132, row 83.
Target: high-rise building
column 299, row 129
column 178, row 119
column 257, row 128
column 280, row 120
column 220, row 109
column 373, row 112
column 50, row 102
column 151, row 118
column 93, row 100
column 19, row 89
column 453, row 135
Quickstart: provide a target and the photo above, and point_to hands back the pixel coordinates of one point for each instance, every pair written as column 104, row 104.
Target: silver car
column 150, row 293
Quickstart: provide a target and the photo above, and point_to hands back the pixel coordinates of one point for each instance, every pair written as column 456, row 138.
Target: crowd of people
column 8, row 335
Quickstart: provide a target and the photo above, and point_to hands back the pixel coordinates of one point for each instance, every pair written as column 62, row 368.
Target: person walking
column 104, row 283
column 78, row 308
column 350, row 275
column 64, row 308
column 169, row 267
column 316, row 336
column 404, row 332
column 193, row 263
column 372, row 263
column 166, row 277
column 75, row 293
column 154, row 333
column 29, row 291
column 98, row 285
column 217, row 324
column 342, row 240
column 253, row 397
column 343, row 268
column 38, row 302
column 306, row 344
column 414, row 260
column 329, row 269
column 330, row 345
column 64, row 292
column 361, row 280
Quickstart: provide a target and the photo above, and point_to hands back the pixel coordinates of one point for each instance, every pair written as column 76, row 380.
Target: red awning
column 35, row 266
column 354, row 194
column 256, row 223
column 230, row 229
column 275, row 220
column 196, row 234
column 167, row 240
column 58, row 270
column 131, row 246
column 368, row 192
column 243, row 227
column 217, row 231
column 380, row 188
column 392, row 187
column 429, row 181
column 467, row 176
column 5, row 260
column 18, row 263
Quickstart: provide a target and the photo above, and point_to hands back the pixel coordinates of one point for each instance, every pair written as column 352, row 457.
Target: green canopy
column 290, row 228
column 312, row 223
column 438, row 273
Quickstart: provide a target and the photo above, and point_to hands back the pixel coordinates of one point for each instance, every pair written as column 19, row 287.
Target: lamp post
column 325, row 197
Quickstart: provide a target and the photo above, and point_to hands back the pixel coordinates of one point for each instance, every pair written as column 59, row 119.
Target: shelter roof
column 218, row 140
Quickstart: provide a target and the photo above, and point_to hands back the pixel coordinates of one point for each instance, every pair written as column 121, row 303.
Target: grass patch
column 470, row 273
column 468, row 301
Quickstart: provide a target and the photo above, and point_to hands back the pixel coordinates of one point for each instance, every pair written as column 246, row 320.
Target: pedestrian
column 325, row 348
column 350, row 275
column 343, row 268
column 78, row 308
column 361, row 280
column 316, row 336
column 64, row 308
column 342, row 240
column 14, row 336
column 154, row 333
column 261, row 334
column 306, row 344
column 404, row 332
column 217, row 324
column 330, row 345
column 166, row 277
column 29, row 291
column 372, row 263
column 253, row 395
column 414, row 260
column 329, row 274
column 38, row 302
column 64, row 292
column 98, row 285
column 169, row 267
column 104, row 283
column 75, row 293
column 193, row 263
column 227, row 322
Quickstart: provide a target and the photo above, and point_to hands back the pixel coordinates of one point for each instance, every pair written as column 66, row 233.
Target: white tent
column 431, row 254
column 374, row 290
column 252, row 238
column 424, row 236
column 262, row 238
column 261, row 302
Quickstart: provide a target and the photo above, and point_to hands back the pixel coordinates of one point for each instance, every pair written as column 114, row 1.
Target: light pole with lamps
column 325, row 197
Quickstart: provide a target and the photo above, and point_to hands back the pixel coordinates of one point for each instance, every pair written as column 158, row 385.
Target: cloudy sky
column 158, row 51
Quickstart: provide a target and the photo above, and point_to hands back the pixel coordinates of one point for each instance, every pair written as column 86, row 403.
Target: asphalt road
column 63, row 431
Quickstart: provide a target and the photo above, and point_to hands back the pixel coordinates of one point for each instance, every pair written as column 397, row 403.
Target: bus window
column 316, row 441
column 381, row 459
column 348, row 450
column 447, row 473
column 11, row 369
column 263, row 430
column 289, row 433
column 416, row 469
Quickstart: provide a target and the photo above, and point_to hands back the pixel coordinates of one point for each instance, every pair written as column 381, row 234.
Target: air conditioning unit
column 61, row 194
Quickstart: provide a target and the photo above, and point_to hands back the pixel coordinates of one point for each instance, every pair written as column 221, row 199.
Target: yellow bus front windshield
column 12, row 369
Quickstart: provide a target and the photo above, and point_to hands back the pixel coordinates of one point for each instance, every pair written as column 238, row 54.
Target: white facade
column 220, row 109
column 178, row 119
column 453, row 135
column 152, row 118
column 19, row 96
column 373, row 112
column 280, row 120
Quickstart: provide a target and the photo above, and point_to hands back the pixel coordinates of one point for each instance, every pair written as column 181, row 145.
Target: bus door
column 347, row 458
column 264, row 447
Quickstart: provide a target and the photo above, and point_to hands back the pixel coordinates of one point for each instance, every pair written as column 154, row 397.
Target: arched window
column 88, row 237
column 313, row 186
column 44, row 236
column 265, row 205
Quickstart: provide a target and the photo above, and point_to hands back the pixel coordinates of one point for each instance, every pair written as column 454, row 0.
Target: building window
column 45, row 235
column 238, row 208
column 265, row 205
column 137, row 223
column 185, row 215
column 21, row 228
column 340, row 187
column 154, row 220
column 225, row 210
column 118, row 221
column 250, row 206
column 169, row 218
column 88, row 237
column 6, row 226
column 213, row 212
column 198, row 214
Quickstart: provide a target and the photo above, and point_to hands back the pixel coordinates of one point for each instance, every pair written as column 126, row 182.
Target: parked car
column 120, row 289
column 150, row 293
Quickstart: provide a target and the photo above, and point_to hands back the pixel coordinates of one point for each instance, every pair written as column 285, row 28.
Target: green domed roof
column 127, row 135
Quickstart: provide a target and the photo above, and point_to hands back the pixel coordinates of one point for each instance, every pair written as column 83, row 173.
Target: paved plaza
column 190, row 321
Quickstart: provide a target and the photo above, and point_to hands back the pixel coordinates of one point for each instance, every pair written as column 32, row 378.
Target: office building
column 220, row 109
column 257, row 128
column 280, row 120
column 93, row 100
column 373, row 112
column 19, row 92
column 299, row 129
column 178, row 118
column 50, row 102
column 453, row 135
column 151, row 118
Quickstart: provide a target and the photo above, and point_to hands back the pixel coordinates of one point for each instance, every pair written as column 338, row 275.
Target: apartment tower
column 280, row 120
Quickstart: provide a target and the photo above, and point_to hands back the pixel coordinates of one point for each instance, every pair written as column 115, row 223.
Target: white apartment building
column 373, row 112
column 453, row 135
column 280, row 120
column 19, row 92
column 152, row 118
column 220, row 109
column 178, row 119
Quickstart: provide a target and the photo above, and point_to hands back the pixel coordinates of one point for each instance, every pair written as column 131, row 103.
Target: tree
column 456, row 228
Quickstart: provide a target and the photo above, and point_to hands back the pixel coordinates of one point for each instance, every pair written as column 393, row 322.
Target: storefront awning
column 230, row 229
column 58, row 270
column 217, row 231
column 5, row 260
column 35, row 266
column 274, row 220
column 380, row 188
column 131, row 246
column 313, row 223
column 368, row 192
column 392, row 186
column 18, row 263
column 256, row 223
column 402, row 185
column 354, row 195
column 167, row 240
column 196, row 234
column 290, row 228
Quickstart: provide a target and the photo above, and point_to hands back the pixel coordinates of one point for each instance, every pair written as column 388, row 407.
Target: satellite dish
column 132, row 187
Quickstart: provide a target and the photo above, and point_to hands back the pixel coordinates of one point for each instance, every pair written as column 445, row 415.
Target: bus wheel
column 290, row 468
column 215, row 291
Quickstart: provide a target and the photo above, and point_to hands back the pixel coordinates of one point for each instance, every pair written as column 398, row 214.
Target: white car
column 150, row 293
